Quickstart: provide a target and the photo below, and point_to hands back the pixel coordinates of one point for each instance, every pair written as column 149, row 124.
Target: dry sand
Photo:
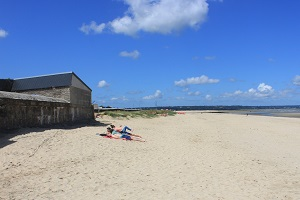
column 191, row 156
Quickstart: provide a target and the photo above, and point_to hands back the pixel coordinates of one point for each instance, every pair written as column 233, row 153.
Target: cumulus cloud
column 239, row 92
column 263, row 88
column 197, row 93
column 261, row 91
column 3, row 33
column 296, row 80
column 119, row 99
column 134, row 54
column 159, row 16
column 103, row 84
column 156, row 95
column 195, row 81
column 92, row 28
column 208, row 97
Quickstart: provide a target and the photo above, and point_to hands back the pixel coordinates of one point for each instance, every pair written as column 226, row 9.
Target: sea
column 276, row 111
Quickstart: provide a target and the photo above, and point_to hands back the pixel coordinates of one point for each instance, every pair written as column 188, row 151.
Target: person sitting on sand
column 117, row 135
column 123, row 130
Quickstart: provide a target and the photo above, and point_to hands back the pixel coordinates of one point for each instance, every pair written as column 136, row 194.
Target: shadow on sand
column 6, row 135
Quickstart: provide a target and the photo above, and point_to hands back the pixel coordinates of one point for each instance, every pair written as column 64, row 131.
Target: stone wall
column 71, row 94
column 19, row 113
column 61, row 92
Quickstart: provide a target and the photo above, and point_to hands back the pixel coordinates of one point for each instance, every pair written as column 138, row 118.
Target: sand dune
column 191, row 156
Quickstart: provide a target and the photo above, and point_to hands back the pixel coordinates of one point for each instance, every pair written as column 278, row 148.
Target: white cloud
column 159, row 16
column 197, row 93
column 156, row 95
column 125, row 25
column 92, row 28
column 103, row 84
column 250, row 91
column 263, row 88
column 232, row 80
column 195, row 81
column 186, row 89
column 134, row 54
column 3, row 33
column 119, row 99
column 296, row 80
column 238, row 92
column 208, row 97
column 234, row 94
column 262, row 91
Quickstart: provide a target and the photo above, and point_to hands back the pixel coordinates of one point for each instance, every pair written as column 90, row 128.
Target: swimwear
column 127, row 137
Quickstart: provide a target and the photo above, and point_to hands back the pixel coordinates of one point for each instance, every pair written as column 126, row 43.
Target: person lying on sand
column 118, row 135
column 123, row 130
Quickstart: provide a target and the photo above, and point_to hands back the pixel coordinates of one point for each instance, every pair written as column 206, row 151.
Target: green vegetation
column 140, row 113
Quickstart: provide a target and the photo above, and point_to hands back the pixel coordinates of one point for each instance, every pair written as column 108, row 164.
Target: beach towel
column 105, row 136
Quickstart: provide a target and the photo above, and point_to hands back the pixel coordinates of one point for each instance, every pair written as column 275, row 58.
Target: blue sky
column 135, row 53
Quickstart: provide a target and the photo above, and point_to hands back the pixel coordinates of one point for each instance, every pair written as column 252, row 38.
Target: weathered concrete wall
column 80, row 97
column 18, row 113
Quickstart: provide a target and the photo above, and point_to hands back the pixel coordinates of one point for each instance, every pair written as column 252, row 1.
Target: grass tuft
column 136, row 114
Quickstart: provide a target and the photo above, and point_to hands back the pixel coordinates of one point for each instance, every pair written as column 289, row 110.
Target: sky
column 144, row 53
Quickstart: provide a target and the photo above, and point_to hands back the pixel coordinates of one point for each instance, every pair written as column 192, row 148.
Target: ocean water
column 282, row 111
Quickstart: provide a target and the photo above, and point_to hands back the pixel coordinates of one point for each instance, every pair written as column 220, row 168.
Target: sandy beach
column 188, row 156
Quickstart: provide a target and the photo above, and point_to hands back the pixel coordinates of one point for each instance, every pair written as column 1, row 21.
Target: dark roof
column 45, row 81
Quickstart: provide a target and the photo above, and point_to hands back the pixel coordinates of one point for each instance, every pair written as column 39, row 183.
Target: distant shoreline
column 220, row 107
column 271, row 113
column 292, row 111
column 267, row 113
